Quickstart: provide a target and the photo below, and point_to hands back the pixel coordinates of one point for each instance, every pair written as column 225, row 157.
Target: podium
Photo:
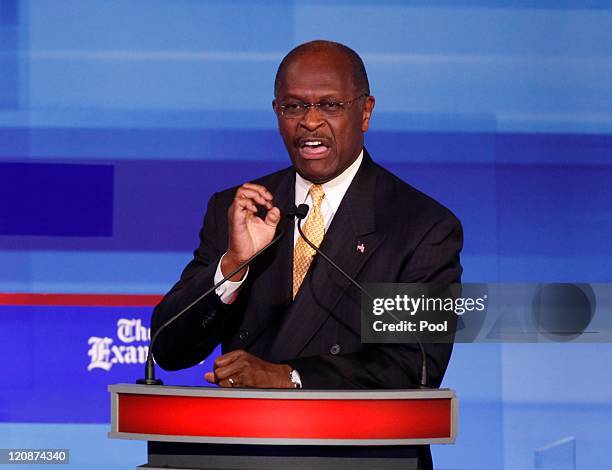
column 209, row 427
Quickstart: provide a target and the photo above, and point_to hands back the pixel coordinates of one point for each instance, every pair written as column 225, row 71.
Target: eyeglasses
column 328, row 108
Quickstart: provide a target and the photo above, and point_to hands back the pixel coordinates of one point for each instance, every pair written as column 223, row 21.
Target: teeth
column 313, row 143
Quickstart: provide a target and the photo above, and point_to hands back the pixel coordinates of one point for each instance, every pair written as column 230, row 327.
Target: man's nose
column 312, row 118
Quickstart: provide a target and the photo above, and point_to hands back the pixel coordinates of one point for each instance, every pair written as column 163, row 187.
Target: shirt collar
column 334, row 189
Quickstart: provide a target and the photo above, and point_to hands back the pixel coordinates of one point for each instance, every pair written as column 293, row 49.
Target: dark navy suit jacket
column 406, row 237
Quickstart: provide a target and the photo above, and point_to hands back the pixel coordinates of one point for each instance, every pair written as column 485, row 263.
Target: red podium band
column 278, row 417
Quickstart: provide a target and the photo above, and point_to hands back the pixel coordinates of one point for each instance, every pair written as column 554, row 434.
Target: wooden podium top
column 283, row 417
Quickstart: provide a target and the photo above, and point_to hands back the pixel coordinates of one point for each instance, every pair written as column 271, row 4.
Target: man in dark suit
column 291, row 320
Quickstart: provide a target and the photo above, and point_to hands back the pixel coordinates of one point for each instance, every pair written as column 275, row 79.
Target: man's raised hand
column 248, row 233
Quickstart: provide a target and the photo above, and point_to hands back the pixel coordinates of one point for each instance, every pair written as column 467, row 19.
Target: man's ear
column 275, row 106
column 368, row 107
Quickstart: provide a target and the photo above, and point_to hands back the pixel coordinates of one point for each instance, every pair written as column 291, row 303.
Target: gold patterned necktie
column 314, row 229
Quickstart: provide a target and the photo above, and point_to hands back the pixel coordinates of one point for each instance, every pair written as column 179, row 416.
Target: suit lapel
column 352, row 228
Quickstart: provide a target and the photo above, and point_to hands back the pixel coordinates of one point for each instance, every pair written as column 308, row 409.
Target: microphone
column 301, row 212
column 150, row 365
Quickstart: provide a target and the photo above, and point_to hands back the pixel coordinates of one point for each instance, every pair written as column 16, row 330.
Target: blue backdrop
column 118, row 119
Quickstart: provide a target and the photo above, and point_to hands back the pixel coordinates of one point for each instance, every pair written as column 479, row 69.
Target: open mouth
column 313, row 148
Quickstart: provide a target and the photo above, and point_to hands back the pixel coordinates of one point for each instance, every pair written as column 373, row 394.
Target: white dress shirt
column 334, row 192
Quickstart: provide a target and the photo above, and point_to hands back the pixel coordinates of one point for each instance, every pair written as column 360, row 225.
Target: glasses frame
column 304, row 107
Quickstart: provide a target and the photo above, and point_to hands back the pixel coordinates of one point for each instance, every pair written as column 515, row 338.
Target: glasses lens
column 330, row 108
column 293, row 110
column 325, row 108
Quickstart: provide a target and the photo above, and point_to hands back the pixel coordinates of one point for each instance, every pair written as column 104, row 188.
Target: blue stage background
column 119, row 119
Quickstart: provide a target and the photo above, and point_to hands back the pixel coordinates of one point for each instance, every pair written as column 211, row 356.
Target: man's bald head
column 360, row 77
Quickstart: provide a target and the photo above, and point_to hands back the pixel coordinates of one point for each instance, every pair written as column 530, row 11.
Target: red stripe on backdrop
column 81, row 300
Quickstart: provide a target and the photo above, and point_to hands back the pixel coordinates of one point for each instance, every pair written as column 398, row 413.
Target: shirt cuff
column 228, row 291
column 296, row 380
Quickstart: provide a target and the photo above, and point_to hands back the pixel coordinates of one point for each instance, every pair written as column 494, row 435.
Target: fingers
column 229, row 369
column 247, row 198
column 245, row 204
column 250, row 194
column 227, row 359
column 249, row 231
column 232, row 370
column 210, row 377
column 262, row 190
column 241, row 369
column 273, row 217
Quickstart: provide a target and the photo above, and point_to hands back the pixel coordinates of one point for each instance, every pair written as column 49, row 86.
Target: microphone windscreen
column 301, row 211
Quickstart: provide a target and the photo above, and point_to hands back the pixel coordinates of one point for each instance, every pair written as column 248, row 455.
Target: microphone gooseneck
column 301, row 212
column 150, row 365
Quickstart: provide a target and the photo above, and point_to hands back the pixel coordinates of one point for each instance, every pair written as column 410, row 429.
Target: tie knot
column 317, row 194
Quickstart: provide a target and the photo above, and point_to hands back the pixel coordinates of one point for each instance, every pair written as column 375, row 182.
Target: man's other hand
column 240, row 369
column 248, row 233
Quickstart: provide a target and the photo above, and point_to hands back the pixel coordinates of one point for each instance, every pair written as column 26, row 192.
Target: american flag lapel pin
column 360, row 247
